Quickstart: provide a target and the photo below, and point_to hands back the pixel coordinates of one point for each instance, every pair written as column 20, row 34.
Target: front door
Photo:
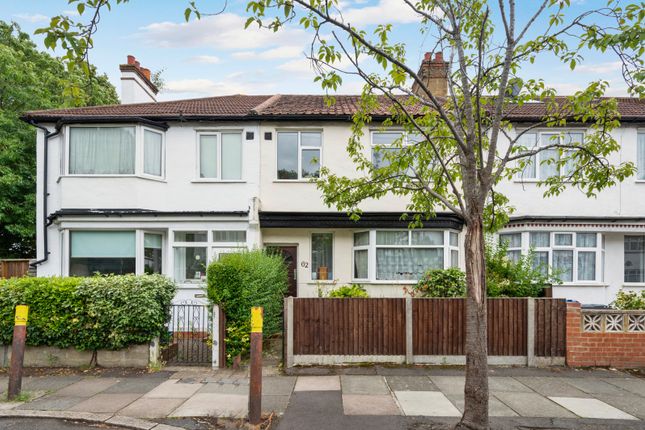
column 290, row 255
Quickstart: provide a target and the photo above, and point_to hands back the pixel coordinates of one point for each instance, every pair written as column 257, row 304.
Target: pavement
column 375, row 397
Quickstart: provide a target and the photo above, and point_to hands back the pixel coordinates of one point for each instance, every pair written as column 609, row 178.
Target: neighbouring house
column 167, row 187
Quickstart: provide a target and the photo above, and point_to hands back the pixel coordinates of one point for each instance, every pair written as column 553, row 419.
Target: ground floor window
column 634, row 259
column 322, row 256
column 574, row 257
column 402, row 255
column 152, row 253
column 104, row 252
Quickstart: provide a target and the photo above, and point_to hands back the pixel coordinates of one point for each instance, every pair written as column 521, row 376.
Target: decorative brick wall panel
column 605, row 338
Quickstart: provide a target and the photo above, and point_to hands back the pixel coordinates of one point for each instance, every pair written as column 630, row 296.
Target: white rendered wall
column 134, row 90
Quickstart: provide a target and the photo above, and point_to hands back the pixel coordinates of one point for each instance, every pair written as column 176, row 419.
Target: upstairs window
column 543, row 165
column 299, row 154
column 220, row 156
column 102, row 150
column 152, row 153
column 384, row 145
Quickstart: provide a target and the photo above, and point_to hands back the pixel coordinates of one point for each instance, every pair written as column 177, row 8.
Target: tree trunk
column 476, row 388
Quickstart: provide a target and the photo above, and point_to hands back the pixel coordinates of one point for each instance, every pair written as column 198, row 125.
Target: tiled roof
column 276, row 107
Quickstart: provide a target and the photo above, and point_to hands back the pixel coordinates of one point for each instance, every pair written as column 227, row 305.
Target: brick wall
column 605, row 338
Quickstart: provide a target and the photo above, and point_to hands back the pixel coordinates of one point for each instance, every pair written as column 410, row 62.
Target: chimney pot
column 438, row 57
column 131, row 59
column 146, row 72
column 137, row 64
column 427, row 56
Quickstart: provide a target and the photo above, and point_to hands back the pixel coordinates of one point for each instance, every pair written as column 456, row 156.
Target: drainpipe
column 45, row 224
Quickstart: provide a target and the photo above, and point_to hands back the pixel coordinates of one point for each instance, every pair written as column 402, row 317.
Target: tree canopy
column 30, row 79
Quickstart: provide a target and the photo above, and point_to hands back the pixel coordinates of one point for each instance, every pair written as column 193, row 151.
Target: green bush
column 441, row 283
column 354, row 290
column 237, row 282
column 629, row 300
column 99, row 312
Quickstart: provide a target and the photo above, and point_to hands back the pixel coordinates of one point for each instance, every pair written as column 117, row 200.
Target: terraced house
column 166, row 187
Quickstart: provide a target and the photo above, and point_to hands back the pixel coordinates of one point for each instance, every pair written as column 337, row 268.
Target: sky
column 217, row 56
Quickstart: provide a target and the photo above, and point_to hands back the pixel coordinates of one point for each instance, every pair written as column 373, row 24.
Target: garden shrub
column 237, row 282
column 441, row 283
column 354, row 290
column 99, row 312
column 629, row 300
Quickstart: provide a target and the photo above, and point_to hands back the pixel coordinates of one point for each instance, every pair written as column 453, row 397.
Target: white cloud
column 32, row 17
column 207, row 59
column 280, row 52
column 71, row 12
column 244, row 55
column 386, row 11
column 225, row 31
column 232, row 84
column 604, row 68
column 301, row 65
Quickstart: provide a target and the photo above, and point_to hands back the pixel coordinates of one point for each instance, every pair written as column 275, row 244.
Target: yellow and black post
column 18, row 351
column 255, row 384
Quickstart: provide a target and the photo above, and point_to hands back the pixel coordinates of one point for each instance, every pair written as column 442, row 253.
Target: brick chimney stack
column 434, row 73
column 136, row 83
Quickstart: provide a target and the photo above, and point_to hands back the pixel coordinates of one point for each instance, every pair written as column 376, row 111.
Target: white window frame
column 537, row 158
column 138, row 152
column 598, row 249
column 301, row 147
column 372, row 247
column 141, row 245
column 640, row 170
column 405, row 141
column 333, row 255
column 177, row 244
column 630, row 283
column 217, row 132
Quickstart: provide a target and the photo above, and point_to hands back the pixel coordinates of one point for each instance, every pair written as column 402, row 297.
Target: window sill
column 147, row 178
column 293, row 181
column 326, row 282
column 634, row 284
column 640, row 181
column 218, row 181
column 582, row 284
column 379, row 282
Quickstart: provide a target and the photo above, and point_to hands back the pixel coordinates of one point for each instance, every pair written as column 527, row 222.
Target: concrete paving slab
column 548, row 386
column 137, row 385
column 357, row 370
column 401, row 371
column 105, row 403
column 317, row 383
column 633, row 405
column 533, row 405
column 275, row 403
column 278, row 385
column 87, row 387
column 449, row 384
column 360, row 404
column 214, row 387
column 634, row 385
column 173, row 389
column 596, row 386
column 507, row 384
column 495, row 407
column 5, row 406
column 426, row 403
column 48, row 383
column 52, row 403
column 131, row 423
column 592, row 408
column 410, row 383
column 354, row 384
column 151, row 408
column 214, row 404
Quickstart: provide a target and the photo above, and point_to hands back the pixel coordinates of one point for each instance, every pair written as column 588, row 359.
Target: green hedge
column 237, row 282
column 349, row 291
column 100, row 312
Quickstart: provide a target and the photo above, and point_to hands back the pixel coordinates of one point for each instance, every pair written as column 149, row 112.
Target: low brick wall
column 605, row 337
column 48, row 356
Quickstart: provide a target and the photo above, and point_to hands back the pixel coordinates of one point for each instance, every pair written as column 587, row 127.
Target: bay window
column 152, row 253
column 220, row 155
column 402, row 255
column 104, row 252
column 573, row 257
column 322, row 256
column 115, row 150
column 543, row 165
column 298, row 154
column 634, row 259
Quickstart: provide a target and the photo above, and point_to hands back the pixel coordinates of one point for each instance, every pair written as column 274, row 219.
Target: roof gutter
column 46, row 223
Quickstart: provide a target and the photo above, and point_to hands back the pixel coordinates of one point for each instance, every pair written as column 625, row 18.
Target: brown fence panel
column 438, row 326
column 323, row 326
column 550, row 327
column 13, row 268
column 507, row 326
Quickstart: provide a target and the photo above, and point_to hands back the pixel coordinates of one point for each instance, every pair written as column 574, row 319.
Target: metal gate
column 190, row 338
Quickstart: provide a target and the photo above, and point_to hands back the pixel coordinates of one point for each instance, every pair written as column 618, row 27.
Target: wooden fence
column 14, row 268
column 432, row 331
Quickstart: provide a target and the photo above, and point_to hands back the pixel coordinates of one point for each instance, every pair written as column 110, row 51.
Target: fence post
column 530, row 333
column 409, row 353
column 216, row 338
column 255, row 377
column 18, row 351
column 289, row 334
